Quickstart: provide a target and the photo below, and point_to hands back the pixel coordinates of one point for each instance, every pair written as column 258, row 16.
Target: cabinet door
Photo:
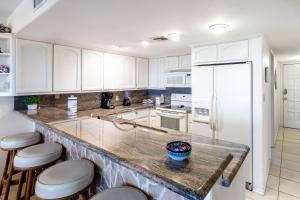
column 202, row 55
column 153, row 73
column 92, row 70
column 185, row 61
column 67, row 68
column 34, row 67
column 172, row 62
column 112, row 73
column 233, row 51
column 157, row 73
column 127, row 73
column 161, row 73
column 142, row 68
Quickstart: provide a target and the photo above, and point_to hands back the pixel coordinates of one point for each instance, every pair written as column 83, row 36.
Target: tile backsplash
column 167, row 93
column 86, row 101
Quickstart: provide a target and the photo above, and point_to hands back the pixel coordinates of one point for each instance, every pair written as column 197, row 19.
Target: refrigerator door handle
column 215, row 113
column 211, row 117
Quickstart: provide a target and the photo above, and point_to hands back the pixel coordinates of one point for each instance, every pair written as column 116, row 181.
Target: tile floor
column 284, row 176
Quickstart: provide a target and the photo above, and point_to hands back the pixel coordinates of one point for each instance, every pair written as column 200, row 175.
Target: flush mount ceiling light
column 144, row 43
column 174, row 36
column 218, row 28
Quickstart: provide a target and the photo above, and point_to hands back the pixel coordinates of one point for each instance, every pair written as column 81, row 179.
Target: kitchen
column 119, row 93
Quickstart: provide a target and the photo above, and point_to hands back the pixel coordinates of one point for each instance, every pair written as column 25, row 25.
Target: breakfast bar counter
column 138, row 157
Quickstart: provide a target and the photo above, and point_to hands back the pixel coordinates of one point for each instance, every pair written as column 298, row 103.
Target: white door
column 185, row 61
column 142, row 68
column 127, row 72
column 172, row 62
column 202, row 91
column 153, row 73
column 67, row 69
column 292, row 96
column 112, row 71
column 33, row 67
column 92, row 70
column 233, row 107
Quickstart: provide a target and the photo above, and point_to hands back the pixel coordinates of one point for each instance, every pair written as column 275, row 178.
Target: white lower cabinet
column 92, row 70
column 157, row 73
column 119, row 72
column 33, row 67
column 66, row 69
column 142, row 75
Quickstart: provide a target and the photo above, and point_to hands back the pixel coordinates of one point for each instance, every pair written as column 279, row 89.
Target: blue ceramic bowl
column 179, row 150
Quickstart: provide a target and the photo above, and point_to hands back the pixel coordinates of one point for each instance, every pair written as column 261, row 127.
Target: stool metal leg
column 20, row 186
column 29, row 184
column 4, row 176
column 10, row 174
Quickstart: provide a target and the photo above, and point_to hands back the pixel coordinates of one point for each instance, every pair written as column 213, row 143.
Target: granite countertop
column 53, row 114
column 145, row 150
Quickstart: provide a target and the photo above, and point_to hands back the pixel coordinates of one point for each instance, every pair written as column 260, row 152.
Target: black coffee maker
column 106, row 100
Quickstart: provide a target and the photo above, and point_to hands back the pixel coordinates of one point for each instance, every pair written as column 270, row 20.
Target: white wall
column 260, row 56
column 24, row 14
column 10, row 123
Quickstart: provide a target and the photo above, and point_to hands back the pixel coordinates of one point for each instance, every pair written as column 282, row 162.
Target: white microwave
column 178, row 79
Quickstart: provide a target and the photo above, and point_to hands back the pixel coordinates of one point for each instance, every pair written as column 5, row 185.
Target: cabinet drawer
column 233, row 51
column 204, row 54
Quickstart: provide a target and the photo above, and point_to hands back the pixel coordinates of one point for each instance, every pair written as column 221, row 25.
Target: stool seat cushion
column 37, row 155
column 120, row 193
column 20, row 140
column 64, row 179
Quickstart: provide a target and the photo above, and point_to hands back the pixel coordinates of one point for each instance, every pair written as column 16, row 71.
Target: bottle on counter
column 162, row 99
column 72, row 105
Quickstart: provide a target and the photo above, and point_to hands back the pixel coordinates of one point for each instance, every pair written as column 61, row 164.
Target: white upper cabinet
column 128, row 72
column 172, row 62
column 119, row 72
column 67, row 69
column 157, row 73
column 112, row 71
column 185, row 61
column 221, row 53
column 142, row 74
column 92, row 70
column 233, row 51
column 206, row 54
column 33, row 67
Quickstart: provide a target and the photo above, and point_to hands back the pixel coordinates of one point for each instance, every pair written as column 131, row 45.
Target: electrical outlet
column 57, row 96
column 117, row 98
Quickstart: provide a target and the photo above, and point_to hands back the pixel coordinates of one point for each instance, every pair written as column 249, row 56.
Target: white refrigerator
column 222, row 105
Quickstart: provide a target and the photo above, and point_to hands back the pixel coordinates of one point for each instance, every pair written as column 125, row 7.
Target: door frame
column 282, row 89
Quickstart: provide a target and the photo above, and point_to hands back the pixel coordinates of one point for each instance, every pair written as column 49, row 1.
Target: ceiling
column 101, row 24
column 7, row 7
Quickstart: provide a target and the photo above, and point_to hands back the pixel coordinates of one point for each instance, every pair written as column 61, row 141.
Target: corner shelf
column 6, row 58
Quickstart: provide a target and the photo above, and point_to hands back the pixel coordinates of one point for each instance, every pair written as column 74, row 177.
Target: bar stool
column 32, row 160
column 65, row 180
column 120, row 193
column 11, row 144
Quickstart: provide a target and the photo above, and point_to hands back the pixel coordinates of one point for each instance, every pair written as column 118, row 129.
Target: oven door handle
column 169, row 115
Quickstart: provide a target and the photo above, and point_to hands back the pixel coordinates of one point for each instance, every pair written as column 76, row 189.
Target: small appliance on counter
column 106, row 100
column 148, row 101
column 72, row 105
column 126, row 101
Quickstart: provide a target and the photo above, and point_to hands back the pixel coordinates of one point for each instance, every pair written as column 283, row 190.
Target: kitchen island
column 138, row 157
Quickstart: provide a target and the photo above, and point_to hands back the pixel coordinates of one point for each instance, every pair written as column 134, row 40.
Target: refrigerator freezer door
column 202, row 91
column 233, row 107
